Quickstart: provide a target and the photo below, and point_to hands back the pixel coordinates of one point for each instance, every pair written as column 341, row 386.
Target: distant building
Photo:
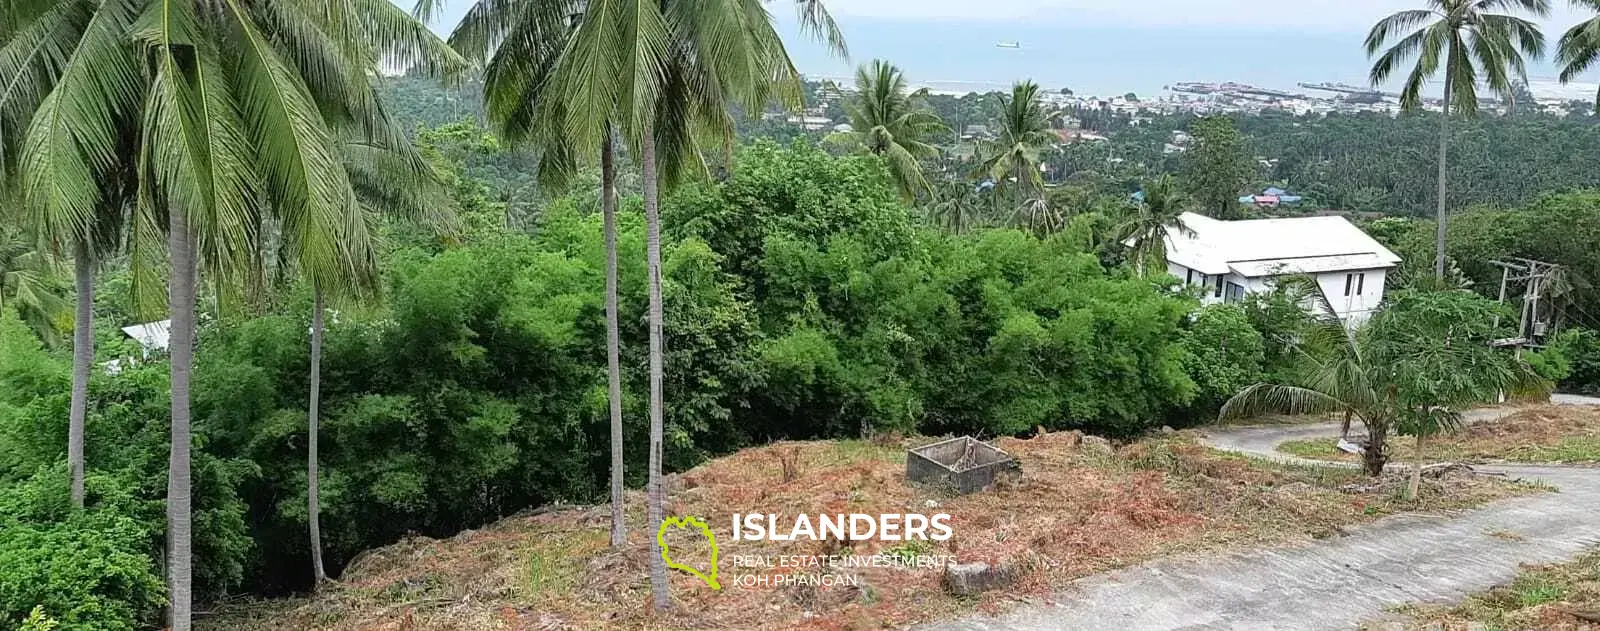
column 1273, row 197
column 1228, row 259
column 1079, row 135
column 811, row 123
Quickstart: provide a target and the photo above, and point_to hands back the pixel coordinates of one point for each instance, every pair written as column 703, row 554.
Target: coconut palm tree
column 1473, row 43
column 955, row 206
column 1344, row 379
column 656, row 75
column 35, row 40
column 519, row 42
column 661, row 75
column 1419, row 360
column 1023, row 129
column 891, row 122
column 387, row 181
column 232, row 107
column 1151, row 222
column 1580, row 46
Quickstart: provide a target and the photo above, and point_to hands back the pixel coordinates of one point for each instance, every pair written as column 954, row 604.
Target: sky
column 1308, row 15
column 1107, row 46
column 1325, row 16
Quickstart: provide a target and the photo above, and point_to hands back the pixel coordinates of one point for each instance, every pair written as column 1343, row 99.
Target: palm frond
column 299, row 163
column 75, row 140
column 818, row 22
column 1266, row 398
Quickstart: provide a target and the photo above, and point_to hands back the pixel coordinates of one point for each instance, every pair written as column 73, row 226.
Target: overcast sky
column 1304, row 15
column 1329, row 15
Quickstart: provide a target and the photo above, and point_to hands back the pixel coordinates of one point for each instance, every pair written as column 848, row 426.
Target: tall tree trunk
column 1444, row 143
column 181, row 295
column 313, row 503
column 1416, row 472
column 608, row 210
column 82, row 364
column 657, row 493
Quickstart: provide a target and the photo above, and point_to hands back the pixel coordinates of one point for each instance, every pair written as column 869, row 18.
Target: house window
column 1235, row 293
column 1357, row 281
column 1189, row 278
column 1219, row 287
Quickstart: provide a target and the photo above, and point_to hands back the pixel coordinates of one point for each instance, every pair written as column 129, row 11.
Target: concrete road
column 1336, row 583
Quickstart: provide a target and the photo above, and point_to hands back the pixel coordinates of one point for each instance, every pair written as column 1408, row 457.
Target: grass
column 1565, row 434
column 1556, row 596
column 1077, row 509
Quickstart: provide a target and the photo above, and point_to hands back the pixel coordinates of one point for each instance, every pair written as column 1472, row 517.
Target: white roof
column 1269, row 247
column 153, row 336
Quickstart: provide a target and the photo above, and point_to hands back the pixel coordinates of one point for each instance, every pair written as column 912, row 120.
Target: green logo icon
column 684, row 522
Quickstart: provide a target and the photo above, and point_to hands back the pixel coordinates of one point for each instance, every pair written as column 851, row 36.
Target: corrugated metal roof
column 1211, row 246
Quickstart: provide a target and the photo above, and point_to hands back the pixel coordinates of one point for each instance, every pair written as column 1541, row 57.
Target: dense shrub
column 1580, row 350
column 1225, row 356
column 89, row 571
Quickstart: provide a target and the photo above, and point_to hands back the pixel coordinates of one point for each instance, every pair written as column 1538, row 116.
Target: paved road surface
column 1336, row 583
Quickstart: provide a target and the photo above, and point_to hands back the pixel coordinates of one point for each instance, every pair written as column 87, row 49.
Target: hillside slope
column 1080, row 507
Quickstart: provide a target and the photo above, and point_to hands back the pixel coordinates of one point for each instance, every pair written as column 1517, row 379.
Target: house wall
column 1366, row 289
column 1365, row 292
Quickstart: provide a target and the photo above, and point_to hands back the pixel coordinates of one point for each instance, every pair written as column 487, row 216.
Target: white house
column 1228, row 259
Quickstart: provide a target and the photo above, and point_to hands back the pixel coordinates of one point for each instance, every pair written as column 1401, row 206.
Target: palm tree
column 1423, row 356
column 661, row 75
column 35, row 40
column 1151, row 222
column 1024, row 133
column 1345, row 380
column 387, row 181
column 955, row 206
column 657, row 75
column 893, row 123
column 519, row 42
column 224, row 106
column 1580, row 47
column 1472, row 42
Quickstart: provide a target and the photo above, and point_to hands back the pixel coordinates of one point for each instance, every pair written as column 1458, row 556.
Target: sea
column 960, row 56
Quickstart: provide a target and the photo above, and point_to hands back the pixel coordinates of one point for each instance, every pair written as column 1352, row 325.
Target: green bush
column 1225, row 356
column 1580, row 350
column 90, row 571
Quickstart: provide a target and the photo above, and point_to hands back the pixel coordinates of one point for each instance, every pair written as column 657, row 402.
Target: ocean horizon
column 1095, row 56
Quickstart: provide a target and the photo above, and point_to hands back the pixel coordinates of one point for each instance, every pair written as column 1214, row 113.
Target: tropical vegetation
column 405, row 306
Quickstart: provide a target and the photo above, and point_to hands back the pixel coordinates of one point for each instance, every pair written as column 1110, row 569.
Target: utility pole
column 1535, row 276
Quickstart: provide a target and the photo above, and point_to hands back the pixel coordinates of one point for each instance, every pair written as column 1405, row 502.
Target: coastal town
column 1204, row 98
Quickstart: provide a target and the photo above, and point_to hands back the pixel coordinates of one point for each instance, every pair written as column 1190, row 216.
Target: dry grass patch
column 1077, row 509
column 1547, row 433
column 1562, row 596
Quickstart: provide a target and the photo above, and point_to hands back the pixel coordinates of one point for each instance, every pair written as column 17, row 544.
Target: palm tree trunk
column 652, row 215
column 1374, row 458
column 1416, row 472
column 608, row 210
column 82, row 363
column 313, row 502
column 1444, row 143
column 181, row 298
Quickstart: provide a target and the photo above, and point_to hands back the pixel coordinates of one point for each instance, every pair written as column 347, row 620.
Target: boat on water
column 1008, row 45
